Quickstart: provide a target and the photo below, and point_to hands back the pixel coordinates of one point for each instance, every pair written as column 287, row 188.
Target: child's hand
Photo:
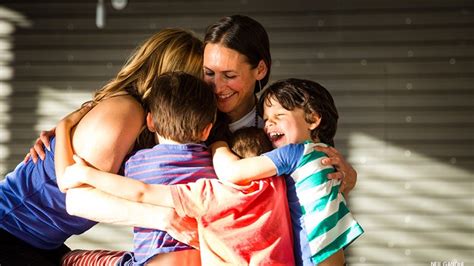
column 184, row 229
column 72, row 119
column 74, row 175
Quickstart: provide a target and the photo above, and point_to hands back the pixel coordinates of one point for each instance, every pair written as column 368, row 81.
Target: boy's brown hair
column 250, row 142
column 182, row 106
column 309, row 96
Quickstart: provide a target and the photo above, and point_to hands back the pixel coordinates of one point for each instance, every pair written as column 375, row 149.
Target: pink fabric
column 239, row 225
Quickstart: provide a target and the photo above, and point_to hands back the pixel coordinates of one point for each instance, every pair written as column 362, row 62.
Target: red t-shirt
column 239, row 225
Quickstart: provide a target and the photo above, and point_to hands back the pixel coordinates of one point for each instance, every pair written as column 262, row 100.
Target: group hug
column 191, row 146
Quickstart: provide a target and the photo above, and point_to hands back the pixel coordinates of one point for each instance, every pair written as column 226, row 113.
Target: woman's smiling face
column 232, row 78
column 284, row 126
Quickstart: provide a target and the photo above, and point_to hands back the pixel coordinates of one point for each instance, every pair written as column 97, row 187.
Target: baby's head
column 296, row 110
column 182, row 108
column 250, row 142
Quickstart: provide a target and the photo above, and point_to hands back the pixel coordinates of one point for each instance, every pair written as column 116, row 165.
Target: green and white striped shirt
column 328, row 223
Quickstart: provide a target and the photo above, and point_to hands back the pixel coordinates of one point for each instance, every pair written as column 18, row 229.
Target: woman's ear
column 149, row 122
column 206, row 132
column 262, row 70
column 316, row 121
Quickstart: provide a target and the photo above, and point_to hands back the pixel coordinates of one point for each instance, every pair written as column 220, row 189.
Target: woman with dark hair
column 237, row 63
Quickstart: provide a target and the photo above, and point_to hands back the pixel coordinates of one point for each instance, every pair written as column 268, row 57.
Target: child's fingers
column 79, row 160
column 76, row 116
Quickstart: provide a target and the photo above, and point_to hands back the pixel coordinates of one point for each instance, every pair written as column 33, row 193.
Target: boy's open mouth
column 275, row 136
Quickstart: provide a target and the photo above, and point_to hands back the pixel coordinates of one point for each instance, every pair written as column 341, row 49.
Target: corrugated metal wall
column 401, row 72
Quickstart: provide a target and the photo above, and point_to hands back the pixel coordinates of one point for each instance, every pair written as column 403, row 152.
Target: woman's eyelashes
column 211, row 74
column 208, row 73
column 229, row 76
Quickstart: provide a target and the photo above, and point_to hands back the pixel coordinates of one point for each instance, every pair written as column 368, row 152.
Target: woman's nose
column 219, row 84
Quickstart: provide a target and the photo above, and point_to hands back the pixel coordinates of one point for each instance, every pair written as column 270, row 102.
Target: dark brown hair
column 182, row 106
column 250, row 142
column 244, row 35
column 309, row 96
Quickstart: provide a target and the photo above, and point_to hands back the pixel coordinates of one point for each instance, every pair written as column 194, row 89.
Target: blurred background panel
column 401, row 73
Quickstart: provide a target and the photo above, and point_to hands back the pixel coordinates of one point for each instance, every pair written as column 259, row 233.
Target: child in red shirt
column 237, row 224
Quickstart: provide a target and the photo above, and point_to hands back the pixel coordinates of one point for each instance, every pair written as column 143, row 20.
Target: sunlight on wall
column 9, row 19
column 5, row 91
column 14, row 17
column 53, row 104
column 405, row 200
column 104, row 236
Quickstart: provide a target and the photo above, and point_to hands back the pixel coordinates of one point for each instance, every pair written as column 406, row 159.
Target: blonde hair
column 168, row 50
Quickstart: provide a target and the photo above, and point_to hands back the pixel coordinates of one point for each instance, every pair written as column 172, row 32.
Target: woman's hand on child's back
column 345, row 172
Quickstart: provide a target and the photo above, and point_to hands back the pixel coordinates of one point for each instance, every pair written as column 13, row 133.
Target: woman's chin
column 224, row 107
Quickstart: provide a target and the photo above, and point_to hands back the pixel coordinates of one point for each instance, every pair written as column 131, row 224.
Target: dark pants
column 15, row 252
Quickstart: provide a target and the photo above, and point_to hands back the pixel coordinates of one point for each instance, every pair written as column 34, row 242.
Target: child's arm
column 117, row 185
column 96, row 205
column 230, row 167
column 63, row 151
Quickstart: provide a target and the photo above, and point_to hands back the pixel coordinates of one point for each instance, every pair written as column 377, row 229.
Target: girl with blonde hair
column 35, row 223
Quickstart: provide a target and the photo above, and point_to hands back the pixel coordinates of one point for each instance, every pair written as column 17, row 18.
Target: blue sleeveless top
column 32, row 207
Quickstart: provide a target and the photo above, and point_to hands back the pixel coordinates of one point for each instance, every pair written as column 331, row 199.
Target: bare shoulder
column 119, row 105
column 113, row 114
column 107, row 133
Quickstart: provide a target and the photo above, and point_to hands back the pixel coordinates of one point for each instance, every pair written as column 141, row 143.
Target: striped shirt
column 166, row 164
column 322, row 223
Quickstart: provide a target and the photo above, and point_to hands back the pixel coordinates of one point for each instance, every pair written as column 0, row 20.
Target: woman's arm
column 230, row 167
column 103, row 137
column 117, row 185
column 345, row 171
column 108, row 132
